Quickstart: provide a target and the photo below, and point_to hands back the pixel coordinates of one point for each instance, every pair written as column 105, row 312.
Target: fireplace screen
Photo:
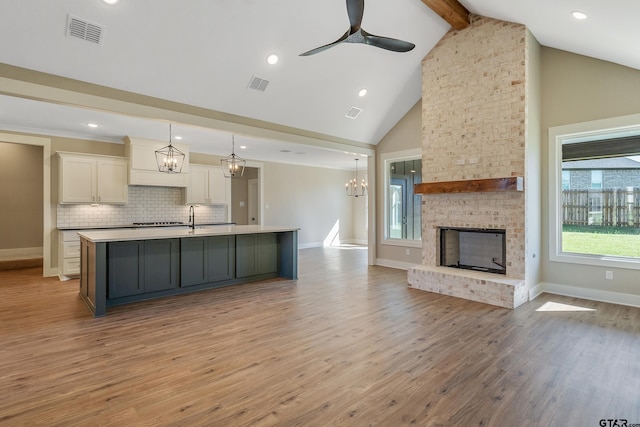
column 473, row 249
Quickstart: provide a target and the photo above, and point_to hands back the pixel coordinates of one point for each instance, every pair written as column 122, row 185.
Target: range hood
column 143, row 169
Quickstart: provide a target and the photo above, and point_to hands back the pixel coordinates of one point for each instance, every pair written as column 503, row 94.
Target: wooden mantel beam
column 451, row 11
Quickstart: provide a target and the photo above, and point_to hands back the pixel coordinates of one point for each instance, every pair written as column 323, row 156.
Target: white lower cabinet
column 207, row 186
column 68, row 253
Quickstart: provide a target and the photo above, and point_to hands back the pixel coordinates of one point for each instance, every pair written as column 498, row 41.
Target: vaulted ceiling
column 208, row 54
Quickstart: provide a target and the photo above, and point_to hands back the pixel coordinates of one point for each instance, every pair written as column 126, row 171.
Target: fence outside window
column 616, row 207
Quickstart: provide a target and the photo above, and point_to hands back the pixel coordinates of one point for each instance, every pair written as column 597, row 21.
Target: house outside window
column 566, row 180
column 596, row 179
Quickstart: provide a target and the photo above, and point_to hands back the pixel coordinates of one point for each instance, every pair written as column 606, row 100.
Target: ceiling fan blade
column 355, row 10
column 326, row 46
column 387, row 43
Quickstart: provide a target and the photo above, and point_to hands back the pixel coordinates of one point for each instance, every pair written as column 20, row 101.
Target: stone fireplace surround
column 475, row 128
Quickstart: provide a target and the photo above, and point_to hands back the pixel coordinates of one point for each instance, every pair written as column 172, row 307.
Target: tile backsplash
column 146, row 204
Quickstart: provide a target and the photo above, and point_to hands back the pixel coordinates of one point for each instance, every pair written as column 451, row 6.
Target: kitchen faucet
column 192, row 217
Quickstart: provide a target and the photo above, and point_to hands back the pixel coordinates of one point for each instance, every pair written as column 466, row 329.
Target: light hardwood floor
column 345, row 345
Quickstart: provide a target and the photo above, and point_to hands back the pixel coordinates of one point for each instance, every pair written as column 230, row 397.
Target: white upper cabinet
column 144, row 169
column 207, row 186
column 86, row 178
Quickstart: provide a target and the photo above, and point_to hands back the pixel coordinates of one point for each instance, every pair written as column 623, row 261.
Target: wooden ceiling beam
column 451, row 11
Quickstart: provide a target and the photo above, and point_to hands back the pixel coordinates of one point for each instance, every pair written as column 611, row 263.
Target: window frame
column 576, row 133
column 387, row 159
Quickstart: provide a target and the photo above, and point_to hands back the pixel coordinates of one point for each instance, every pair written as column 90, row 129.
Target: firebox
column 473, row 249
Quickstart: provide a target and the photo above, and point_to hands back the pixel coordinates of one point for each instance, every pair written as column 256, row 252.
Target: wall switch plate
column 460, row 161
column 408, row 252
column 608, row 275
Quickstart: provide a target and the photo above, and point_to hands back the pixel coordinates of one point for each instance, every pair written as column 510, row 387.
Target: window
column 596, row 179
column 595, row 193
column 566, row 180
column 403, row 209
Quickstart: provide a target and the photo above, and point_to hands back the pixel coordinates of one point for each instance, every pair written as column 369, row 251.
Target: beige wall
column 405, row 135
column 310, row 198
column 21, row 192
column 533, row 162
column 578, row 89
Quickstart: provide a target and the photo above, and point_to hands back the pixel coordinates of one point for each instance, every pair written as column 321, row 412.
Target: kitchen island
column 121, row 266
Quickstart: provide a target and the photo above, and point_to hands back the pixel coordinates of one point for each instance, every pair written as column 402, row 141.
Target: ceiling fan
column 355, row 34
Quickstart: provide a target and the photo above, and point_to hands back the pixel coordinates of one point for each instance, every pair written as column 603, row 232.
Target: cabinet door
column 256, row 254
column 77, row 180
column 218, row 186
column 267, row 253
column 112, row 181
column 161, row 264
column 126, row 267
column 220, row 258
column 193, row 261
column 197, row 190
column 246, row 255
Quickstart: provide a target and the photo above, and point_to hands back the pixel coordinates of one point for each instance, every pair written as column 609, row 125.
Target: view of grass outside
column 615, row 241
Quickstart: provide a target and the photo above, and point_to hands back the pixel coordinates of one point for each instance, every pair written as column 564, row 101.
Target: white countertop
column 119, row 235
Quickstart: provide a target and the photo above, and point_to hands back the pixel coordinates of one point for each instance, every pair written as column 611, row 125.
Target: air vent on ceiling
column 257, row 83
column 82, row 29
column 353, row 113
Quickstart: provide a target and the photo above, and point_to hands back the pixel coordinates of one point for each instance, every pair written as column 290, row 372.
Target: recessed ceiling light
column 92, row 125
column 579, row 15
column 272, row 59
column 243, row 147
column 362, row 92
column 178, row 137
column 111, row 1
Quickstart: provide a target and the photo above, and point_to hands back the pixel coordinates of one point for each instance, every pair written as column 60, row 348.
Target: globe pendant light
column 169, row 158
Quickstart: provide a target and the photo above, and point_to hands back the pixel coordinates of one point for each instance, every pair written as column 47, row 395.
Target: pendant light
column 232, row 165
column 169, row 158
column 353, row 188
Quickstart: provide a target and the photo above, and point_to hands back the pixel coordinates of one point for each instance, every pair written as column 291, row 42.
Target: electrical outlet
column 460, row 161
column 608, row 275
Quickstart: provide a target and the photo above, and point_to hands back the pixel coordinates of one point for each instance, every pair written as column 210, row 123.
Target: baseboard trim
column 20, row 253
column 535, row 291
column 309, row 245
column 19, row 264
column 591, row 294
column 394, row 264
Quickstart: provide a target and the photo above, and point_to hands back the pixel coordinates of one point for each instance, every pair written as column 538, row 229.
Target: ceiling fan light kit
column 355, row 34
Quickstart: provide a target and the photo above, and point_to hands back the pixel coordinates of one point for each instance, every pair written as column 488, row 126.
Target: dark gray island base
column 120, row 267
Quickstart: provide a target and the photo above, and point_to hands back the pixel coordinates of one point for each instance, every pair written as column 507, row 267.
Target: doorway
column 245, row 197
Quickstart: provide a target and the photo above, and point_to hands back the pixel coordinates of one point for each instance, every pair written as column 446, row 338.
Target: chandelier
column 169, row 158
column 355, row 189
column 232, row 165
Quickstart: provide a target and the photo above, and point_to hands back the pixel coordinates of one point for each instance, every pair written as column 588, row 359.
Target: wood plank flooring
column 345, row 345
